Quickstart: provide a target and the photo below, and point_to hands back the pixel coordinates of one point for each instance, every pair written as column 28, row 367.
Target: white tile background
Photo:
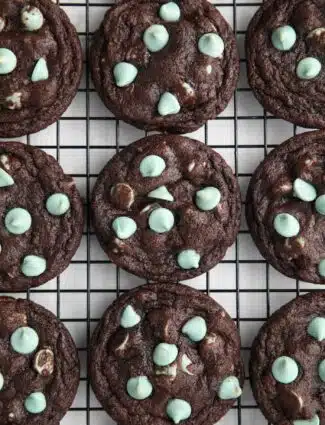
column 85, row 138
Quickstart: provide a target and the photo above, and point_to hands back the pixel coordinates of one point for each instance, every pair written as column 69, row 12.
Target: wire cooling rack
column 85, row 138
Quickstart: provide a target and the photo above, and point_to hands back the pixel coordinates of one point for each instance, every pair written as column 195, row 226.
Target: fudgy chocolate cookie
column 166, row 208
column 39, row 372
column 287, row 366
column 42, row 217
column 163, row 354
column 165, row 66
column 40, row 65
column 285, row 57
column 286, row 207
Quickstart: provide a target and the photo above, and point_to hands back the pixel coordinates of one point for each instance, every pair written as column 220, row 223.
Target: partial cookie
column 165, row 66
column 287, row 366
column 40, row 65
column 166, row 208
column 39, row 373
column 42, row 217
column 164, row 354
column 285, row 49
column 286, row 207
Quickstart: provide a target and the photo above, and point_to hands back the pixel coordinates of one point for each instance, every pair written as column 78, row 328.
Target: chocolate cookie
column 42, row 217
column 286, row 207
column 287, row 366
column 166, row 208
column 39, row 372
column 165, row 66
column 163, row 354
column 285, row 58
column 40, row 65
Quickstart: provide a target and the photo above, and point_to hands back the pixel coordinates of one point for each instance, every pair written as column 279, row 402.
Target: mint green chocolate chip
column 41, row 72
column 168, row 104
column 208, row 198
column 164, row 354
column 139, row 388
column 129, row 317
column 32, row 18
column 316, row 328
column 161, row 220
column 195, row 329
column 178, row 410
column 124, row 74
column 320, row 204
column 285, row 370
column 170, row 12
column 155, row 37
column 161, row 193
column 152, row 166
column 24, row 340
column 321, row 370
column 211, row 44
column 286, row 225
column 188, row 259
column 283, row 38
column 5, row 179
column 18, row 221
column 124, row 227
column 2, row 381
column 321, row 268
column 58, row 204
column 308, row 68
column 304, row 190
column 35, row 403
column 8, row 61
column 313, row 421
column 229, row 388
column 33, row 265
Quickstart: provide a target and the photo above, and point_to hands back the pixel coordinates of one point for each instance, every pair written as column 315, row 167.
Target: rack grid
column 85, row 138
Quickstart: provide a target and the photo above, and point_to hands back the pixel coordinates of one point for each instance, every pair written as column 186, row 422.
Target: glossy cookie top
column 41, row 217
column 167, row 354
column 166, row 208
column 165, row 65
column 287, row 367
column 39, row 373
column 40, row 65
column 286, row 207
column 285, row 58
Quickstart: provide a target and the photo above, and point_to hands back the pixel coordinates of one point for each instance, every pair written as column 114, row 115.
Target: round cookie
column 287, row 363
column 285, row 55
column 165, row 354
column 285, row 207
column 165, row 66
column 39, row 372
column 166, row 208
column 40, row 65
column 42, row 217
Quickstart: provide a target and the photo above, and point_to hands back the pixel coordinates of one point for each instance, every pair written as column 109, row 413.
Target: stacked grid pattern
column 85, row 138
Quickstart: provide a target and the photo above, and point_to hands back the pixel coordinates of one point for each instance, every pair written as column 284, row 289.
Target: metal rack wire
column 247, row 287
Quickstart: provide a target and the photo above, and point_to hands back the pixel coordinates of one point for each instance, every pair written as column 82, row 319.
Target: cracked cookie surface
column 166, row 208
column 287, row 363
column 42, row 217
column 285, row 56
column 41, row 67
column 164, row 354
column 168, row 59
column 284, row 207
column 39, row 372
